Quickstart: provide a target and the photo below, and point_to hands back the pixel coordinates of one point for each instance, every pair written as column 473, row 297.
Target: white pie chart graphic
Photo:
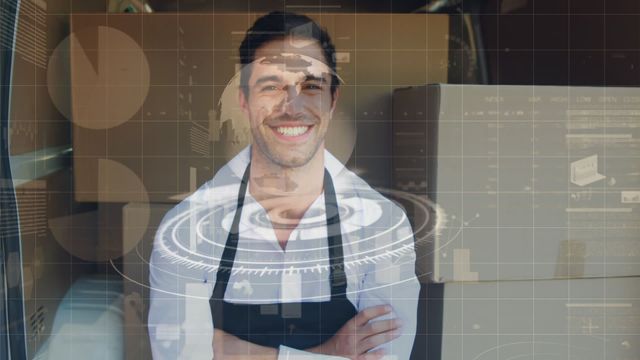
column 109, row 77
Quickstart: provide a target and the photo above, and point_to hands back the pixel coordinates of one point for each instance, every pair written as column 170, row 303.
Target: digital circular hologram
column 429, row 221
column 374, row 239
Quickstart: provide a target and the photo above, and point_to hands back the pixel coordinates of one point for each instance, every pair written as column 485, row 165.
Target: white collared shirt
column 378, row 248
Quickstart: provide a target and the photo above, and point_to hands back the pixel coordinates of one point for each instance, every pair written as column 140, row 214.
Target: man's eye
column 269, row 88
column 311, row 87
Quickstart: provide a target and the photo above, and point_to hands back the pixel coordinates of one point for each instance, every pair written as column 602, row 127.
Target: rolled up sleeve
column 392, row 280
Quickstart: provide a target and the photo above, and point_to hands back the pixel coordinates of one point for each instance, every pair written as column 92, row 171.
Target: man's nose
column 293, row 102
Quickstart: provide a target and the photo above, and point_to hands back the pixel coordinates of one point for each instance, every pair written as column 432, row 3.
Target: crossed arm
column 353, row 341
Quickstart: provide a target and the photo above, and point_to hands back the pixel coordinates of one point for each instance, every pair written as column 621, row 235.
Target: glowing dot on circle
column 476, row 327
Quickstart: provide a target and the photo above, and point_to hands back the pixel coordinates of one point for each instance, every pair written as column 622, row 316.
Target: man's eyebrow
column 265, row 79
column 276, row 78
column 315, row 78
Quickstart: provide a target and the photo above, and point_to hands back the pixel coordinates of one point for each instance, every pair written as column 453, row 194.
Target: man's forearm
column 230, row 347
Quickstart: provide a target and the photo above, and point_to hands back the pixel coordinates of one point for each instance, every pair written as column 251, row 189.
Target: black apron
column 271, row 324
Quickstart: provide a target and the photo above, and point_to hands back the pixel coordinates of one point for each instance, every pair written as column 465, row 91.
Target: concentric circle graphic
column 182, row 237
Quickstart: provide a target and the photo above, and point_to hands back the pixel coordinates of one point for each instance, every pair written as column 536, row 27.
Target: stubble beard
column 278, row 155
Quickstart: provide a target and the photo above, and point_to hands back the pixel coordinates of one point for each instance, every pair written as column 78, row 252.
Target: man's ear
column 334, row 100
column 243, row 102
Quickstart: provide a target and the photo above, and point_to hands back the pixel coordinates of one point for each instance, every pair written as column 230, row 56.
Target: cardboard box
column 530, row 182
column 550, row 319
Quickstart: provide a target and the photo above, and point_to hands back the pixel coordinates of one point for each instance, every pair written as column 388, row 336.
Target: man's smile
column 292, row 132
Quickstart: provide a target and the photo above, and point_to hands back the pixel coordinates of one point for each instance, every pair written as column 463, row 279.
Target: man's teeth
column 292, row 130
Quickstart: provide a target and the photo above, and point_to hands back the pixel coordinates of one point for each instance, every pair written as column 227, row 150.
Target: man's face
column 289, row 102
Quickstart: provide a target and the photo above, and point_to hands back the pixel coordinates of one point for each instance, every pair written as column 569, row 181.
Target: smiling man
column 320, row 264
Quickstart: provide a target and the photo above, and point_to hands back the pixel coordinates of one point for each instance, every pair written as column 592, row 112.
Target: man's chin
column 291, row 162
column 291, row 159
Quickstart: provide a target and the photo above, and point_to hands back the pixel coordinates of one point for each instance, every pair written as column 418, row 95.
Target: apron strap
column 229, row 253
column 334, row 234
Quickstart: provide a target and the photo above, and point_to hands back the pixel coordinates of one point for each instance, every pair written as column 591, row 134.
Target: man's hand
column 229, row 347
column 360, row 334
